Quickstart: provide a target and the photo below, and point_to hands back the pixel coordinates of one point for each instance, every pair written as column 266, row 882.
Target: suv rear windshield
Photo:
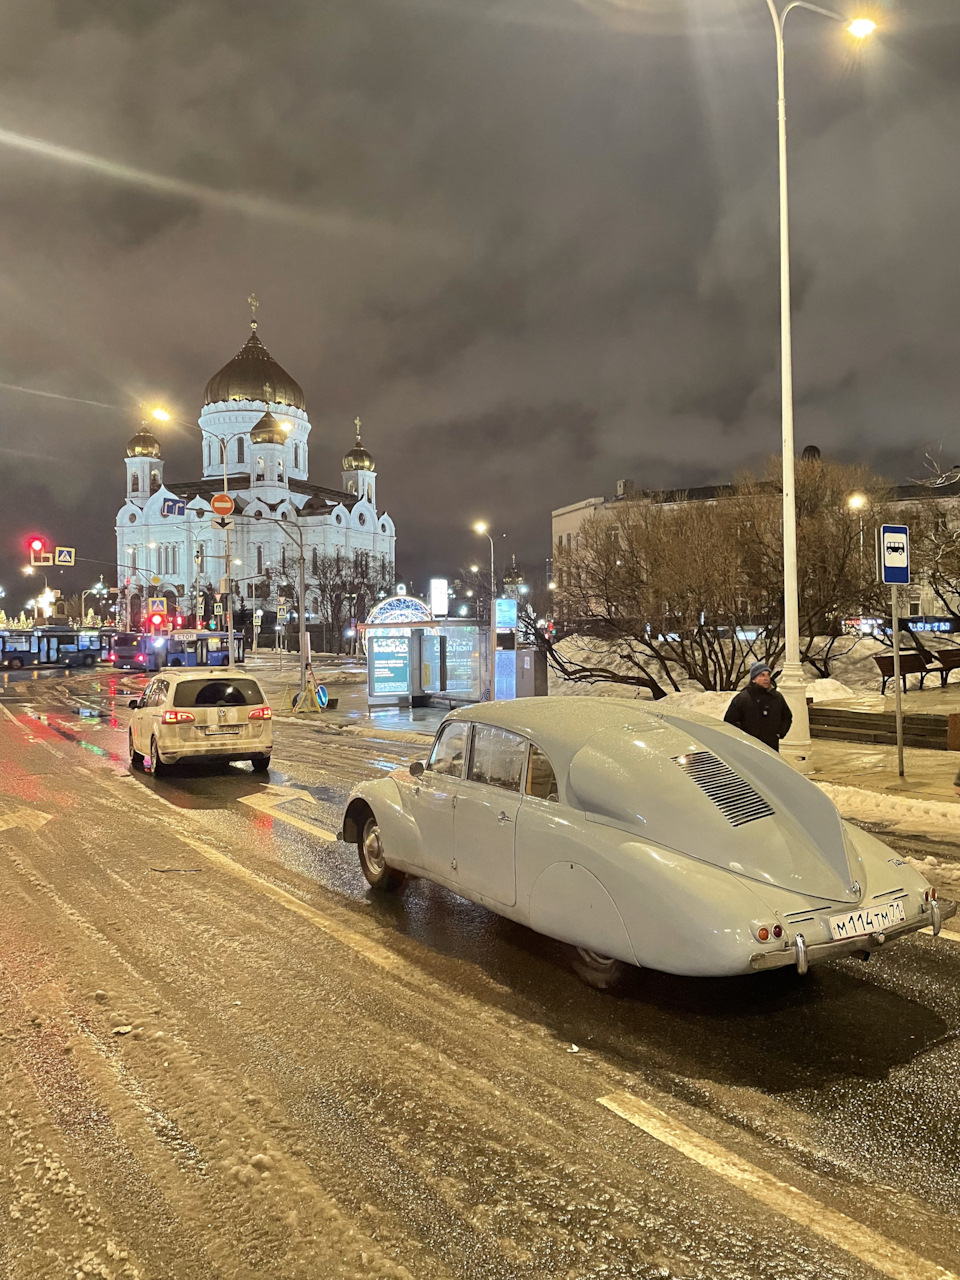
column 217, row 693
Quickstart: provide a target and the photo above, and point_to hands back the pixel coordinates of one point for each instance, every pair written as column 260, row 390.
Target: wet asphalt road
column 220, row 1055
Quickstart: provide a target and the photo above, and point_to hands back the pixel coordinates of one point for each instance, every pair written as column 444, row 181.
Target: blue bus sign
column 894, row 554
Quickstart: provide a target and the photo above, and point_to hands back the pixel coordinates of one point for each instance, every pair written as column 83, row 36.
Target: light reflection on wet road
column 438, row 1109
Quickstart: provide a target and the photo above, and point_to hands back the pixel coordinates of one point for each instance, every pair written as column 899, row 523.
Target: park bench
column 912, row 663
column 949, row 660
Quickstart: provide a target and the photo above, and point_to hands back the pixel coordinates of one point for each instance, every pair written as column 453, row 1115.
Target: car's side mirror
column 417, row 768
column 134, row 703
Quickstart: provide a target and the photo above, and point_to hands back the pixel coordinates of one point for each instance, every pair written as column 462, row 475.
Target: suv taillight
column 260, row 713
column 177, row 717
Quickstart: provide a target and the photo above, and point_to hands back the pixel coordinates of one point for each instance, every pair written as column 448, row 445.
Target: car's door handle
column 502, row 817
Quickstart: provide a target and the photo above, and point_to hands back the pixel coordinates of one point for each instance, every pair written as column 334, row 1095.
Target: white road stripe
column 868, row 1246
column 950, row 934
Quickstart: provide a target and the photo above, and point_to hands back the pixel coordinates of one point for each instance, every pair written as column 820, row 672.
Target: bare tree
column 696, row 588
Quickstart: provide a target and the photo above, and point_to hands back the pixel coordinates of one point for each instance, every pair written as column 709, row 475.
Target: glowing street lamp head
column 161, row 415
column 480, row 526
column 862, row 27
column 857, row 501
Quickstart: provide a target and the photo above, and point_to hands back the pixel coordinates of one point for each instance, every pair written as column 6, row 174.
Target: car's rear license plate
column 868, row 920
column 224, row 728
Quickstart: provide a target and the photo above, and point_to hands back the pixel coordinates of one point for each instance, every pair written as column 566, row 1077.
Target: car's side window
column 160, row 693
column 449, row 749
column 497, row 757
column 146, row 698
column 541, row 780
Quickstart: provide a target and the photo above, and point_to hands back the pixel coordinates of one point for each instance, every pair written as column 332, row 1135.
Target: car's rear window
column 217, row 693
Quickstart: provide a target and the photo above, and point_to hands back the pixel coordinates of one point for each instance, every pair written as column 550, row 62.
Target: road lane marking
column 950, row 934
column 31, row 819
column 268, row 802
column 868, row 1246
column 371, row 950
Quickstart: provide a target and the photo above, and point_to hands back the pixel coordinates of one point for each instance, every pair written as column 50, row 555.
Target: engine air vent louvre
column 735, row 798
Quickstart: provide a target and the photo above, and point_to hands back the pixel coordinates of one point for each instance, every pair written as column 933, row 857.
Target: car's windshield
column 217, row 693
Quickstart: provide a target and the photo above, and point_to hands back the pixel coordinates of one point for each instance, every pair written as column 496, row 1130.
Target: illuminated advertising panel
column 439, row 597
column 388, row 664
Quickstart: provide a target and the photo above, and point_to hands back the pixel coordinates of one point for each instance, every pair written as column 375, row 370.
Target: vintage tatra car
column 637, row 837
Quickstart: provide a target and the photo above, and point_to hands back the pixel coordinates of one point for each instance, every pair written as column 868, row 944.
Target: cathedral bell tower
column 144, row 466
column 359, row 476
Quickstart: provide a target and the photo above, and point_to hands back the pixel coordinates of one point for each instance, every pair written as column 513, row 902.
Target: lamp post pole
column 792, row 684
column 481, row 528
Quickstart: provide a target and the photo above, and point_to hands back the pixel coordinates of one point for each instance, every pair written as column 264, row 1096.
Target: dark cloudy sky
column 531, row 242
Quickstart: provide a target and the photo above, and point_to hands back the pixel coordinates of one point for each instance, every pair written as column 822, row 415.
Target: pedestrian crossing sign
column 157, row 604
column 65, row 555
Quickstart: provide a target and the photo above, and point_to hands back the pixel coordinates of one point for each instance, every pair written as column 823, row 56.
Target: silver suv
column 219, row 713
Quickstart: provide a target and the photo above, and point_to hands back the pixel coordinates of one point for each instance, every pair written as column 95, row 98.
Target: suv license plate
column 869, row 920
column 224, row 728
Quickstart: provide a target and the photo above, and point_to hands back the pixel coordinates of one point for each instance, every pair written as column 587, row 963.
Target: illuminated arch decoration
column 398, row 609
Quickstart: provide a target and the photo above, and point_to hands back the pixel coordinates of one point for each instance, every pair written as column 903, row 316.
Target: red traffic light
column 156, row 619
column 36, row 544
column 179, row 620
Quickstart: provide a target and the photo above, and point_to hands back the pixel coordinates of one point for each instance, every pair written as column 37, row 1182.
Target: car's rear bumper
column 225, row 748
column 806, row 954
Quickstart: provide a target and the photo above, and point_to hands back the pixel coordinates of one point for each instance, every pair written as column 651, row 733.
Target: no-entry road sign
column 222, row 504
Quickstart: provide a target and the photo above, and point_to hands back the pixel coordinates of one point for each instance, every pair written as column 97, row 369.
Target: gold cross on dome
column 254, row 303
column 356, row 423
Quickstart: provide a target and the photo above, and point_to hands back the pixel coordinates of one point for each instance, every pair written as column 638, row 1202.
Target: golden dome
column 358, row 459
column 253, row 374
column 143, row 445
column 268, row 431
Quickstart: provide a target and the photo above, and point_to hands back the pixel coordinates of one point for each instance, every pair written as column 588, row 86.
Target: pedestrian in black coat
column 759, row 710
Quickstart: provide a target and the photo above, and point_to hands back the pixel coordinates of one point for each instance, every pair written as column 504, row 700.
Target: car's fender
column 568, row 902
column 399, row 833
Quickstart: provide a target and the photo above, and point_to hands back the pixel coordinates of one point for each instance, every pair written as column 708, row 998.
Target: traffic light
column 212, row 624
column 156, row 620
column 179, row 620
column 36, row 545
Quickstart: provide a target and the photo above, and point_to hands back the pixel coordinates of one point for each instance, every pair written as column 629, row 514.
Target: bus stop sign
column 894, row 554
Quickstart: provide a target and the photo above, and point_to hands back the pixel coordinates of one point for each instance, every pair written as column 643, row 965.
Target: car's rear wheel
column 136, row 759
column 88, row 659
column 599, row 971
column 157, row 767
column 373, row 864
column 260, row 764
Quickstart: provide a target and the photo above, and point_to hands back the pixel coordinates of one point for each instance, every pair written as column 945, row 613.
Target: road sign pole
column 895, row 618
column 233, row 656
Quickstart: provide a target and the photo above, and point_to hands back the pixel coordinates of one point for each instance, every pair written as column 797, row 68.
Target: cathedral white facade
column 254, row 425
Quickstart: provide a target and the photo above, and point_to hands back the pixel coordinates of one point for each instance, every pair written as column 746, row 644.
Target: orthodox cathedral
column 256, row 447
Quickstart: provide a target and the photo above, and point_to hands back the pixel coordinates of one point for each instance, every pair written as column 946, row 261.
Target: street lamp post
column 481, row 528
column 301, row 588
column 792, row 683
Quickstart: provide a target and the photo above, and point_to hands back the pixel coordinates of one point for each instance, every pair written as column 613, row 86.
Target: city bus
column 53, row 647
column 136, row 651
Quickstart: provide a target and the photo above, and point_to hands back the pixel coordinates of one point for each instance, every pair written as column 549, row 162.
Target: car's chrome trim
column 806, row 953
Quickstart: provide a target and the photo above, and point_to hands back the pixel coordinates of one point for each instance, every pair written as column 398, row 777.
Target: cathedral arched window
column 240, row 448
column 134, row 483
column 279, row 471
column 316, row 561
column 259, row 559
column 296, row 454
column 260, row 471
column 283, row 559
column 154, row 481
column 175, row 559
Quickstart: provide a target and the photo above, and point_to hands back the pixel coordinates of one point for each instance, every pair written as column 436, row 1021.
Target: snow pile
column 699, row 702
column 896, row 813
column 829, row 691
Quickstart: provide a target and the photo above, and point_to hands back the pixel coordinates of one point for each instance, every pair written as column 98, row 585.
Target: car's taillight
column 177, row 717
column 260, row 713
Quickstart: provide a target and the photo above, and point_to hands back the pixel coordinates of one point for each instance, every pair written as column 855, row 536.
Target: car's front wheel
column 373, row 864
column 157, row 766
column 599, row 971
column 136, row 759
